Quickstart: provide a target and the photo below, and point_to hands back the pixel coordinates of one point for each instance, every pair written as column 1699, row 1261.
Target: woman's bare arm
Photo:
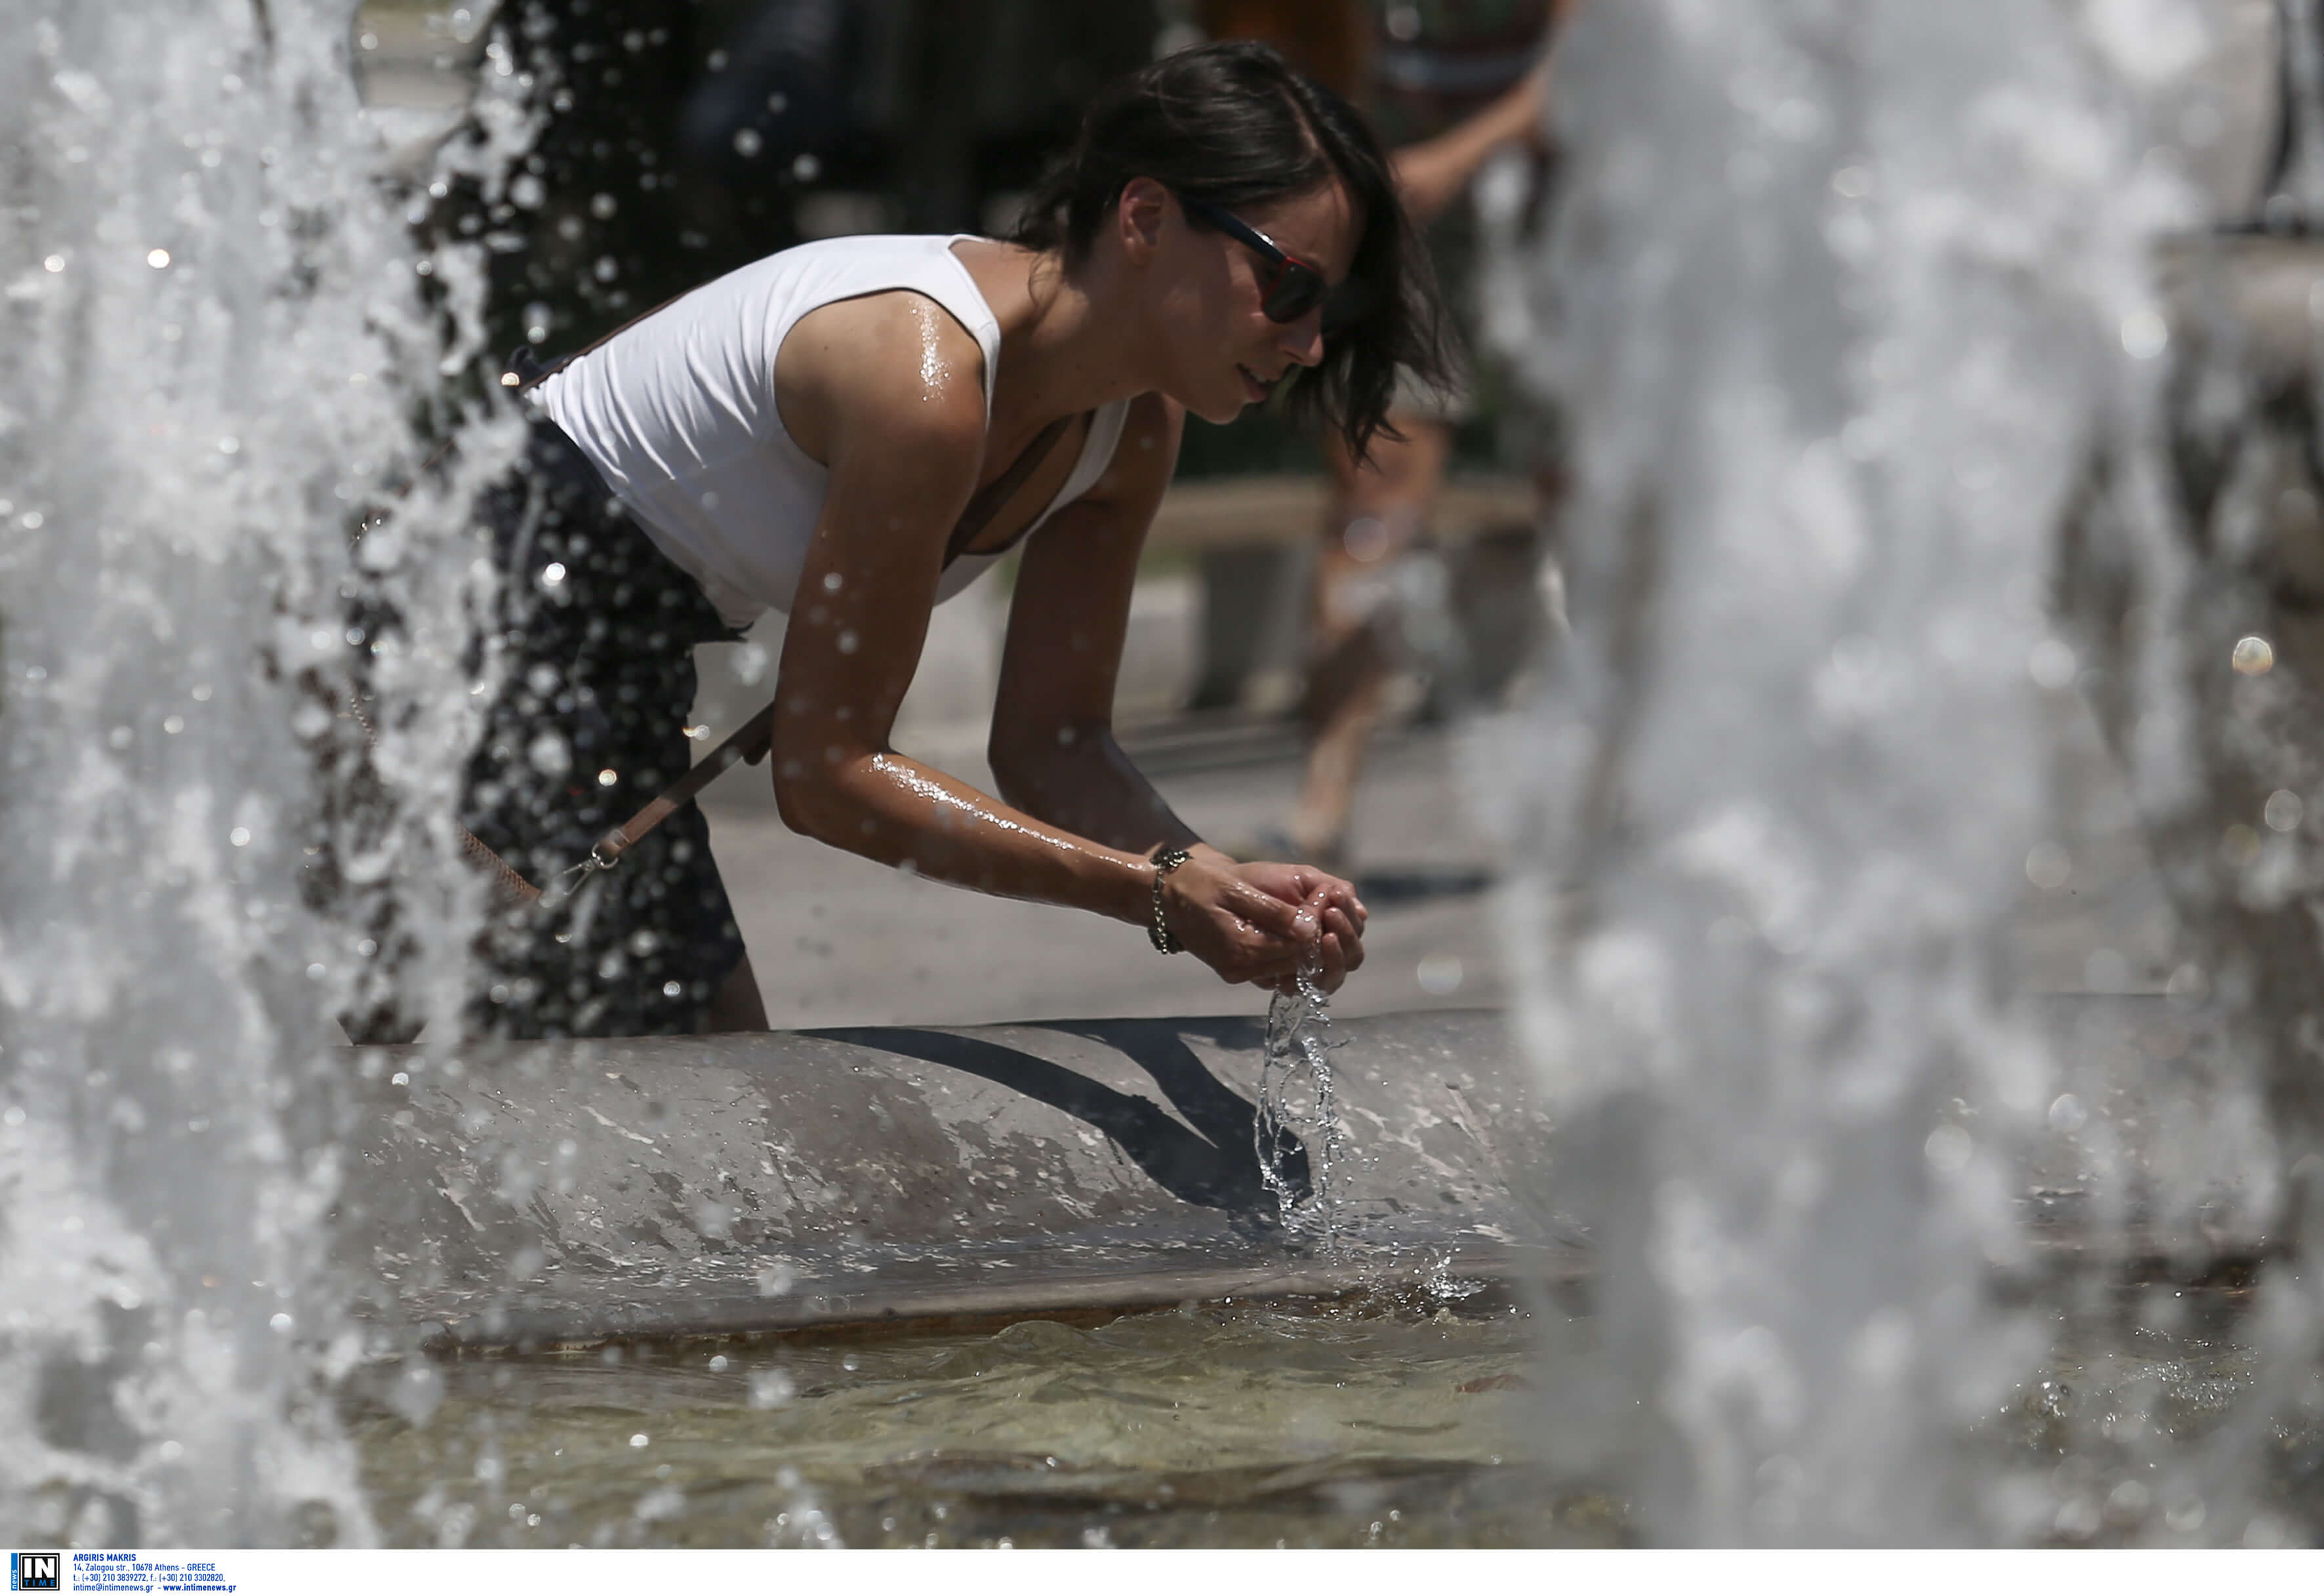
column 1430, row 174
column 1053, row 751
column 901, row 424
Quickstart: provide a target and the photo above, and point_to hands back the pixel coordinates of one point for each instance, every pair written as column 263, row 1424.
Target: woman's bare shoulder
column 895, row 363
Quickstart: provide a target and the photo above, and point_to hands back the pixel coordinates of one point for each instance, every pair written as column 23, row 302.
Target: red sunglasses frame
column 1293, row 286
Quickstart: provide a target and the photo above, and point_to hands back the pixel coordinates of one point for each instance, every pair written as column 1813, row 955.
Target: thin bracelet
column 1165, row 860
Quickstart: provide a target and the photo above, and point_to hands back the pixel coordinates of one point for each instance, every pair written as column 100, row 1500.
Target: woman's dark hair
column 1231, row 124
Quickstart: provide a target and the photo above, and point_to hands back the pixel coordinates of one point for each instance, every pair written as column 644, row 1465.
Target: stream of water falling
column 1297, row 1133
column 1845, row 297
column 220, row 343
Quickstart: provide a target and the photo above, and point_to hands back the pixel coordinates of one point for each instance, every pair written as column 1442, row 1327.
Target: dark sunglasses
column 1290, row 288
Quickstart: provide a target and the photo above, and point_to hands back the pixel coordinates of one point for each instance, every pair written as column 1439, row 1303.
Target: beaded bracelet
column 1165, row 860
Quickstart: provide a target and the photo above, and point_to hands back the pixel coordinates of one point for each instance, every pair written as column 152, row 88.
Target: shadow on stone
column 1224, row 1116
column 1217, row 1168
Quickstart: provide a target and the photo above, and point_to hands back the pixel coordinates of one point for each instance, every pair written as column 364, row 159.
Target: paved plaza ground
column 838, row 940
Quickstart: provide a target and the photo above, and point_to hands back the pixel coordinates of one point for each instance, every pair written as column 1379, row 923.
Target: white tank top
column 677, row 412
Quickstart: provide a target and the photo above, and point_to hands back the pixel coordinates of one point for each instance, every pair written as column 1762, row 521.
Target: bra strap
column 987, row 504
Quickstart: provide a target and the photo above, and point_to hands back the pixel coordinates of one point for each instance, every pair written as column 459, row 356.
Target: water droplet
column 2051, row 664
column 2107, row 970
column 229, row 446
column 2284, row 811
column 1440, row 975
column 553, row 573
column 2047, row 866
column 54, row 262
column 2144, row 334
column 607, row 778
column 639, row 1439
column 807, row 169
column 1948, row 1148
column 2067, row 1115
column 239, row 837
column 847, row 642
column 671, row 988
column 157, row 258
column 2253, row 656
column 280, row 1323
column 174, row 724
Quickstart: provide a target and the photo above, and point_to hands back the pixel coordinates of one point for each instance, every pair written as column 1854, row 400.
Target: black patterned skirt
column 597, row 630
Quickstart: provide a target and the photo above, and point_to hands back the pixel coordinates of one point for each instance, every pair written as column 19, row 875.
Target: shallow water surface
column 1229, row 1425
column 1343, row 1425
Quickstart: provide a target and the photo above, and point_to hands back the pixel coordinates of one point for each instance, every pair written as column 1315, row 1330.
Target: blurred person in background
column 853, row 430
column 675, row 142
column 1452, row 83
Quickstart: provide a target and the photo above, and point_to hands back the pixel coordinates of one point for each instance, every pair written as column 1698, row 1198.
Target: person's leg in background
column 1378, row 511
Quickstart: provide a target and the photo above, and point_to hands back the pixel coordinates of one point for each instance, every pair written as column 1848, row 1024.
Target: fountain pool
column 1795, row 1221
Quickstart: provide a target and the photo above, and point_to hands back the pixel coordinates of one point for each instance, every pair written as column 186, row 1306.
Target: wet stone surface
column 556, row 1194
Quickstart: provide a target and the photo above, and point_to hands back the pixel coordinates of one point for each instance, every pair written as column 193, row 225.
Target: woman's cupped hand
column 1262, row 922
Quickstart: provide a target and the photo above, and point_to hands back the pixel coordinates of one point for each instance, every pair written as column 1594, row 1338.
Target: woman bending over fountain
column 853, row 431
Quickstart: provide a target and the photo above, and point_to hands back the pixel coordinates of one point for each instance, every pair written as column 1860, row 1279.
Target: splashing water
column 1301, row 1141
column 1846, row 297
column 221, row 344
